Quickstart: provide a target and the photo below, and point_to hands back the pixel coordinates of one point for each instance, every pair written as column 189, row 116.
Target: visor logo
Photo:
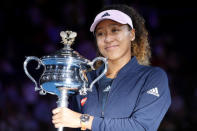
column 106, row 14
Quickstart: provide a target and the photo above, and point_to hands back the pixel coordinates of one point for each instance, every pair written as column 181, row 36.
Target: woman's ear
column 132, row 34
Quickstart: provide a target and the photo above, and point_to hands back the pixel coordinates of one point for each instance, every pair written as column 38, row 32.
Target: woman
column 132, row 95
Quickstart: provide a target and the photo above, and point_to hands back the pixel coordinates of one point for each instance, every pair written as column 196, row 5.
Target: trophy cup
column 64, row 72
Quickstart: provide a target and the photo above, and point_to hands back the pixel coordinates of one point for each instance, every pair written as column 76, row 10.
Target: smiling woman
column 129, row 16
column 113, row 37
column 132, row 95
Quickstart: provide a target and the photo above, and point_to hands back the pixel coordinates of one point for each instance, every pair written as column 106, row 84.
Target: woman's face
column 114, row 40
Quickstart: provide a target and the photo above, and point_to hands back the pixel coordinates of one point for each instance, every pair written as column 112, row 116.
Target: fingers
column 55, row 111
column 64, row 117
column 57, row 116
column 56, row 121
column 58, row 125
column 59, row 112
column 59, row 109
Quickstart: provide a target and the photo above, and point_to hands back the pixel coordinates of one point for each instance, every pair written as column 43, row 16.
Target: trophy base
column 52, row 87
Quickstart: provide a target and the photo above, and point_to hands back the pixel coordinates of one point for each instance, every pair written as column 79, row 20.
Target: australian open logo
column 106, row 14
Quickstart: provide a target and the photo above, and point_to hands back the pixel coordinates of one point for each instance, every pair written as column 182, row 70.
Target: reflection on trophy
column 64, row 72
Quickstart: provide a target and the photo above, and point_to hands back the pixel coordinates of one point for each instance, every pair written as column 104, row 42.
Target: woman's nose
column 108, row 38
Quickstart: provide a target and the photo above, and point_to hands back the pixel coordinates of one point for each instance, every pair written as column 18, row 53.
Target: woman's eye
column 115, row 30
column 99, row 34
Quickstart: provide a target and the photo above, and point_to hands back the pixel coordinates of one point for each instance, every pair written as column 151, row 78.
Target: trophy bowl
column 64, row 68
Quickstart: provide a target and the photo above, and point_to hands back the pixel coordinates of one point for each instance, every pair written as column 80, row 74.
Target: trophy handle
column 42, row 92
column 84, row 90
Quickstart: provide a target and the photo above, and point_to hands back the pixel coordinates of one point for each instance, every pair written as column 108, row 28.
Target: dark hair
column 140, row 46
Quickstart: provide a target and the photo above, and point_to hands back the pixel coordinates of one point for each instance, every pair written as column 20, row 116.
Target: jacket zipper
column 103, row 109
column 106, row 100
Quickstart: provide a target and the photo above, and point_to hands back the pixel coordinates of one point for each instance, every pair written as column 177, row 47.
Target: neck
column 114, row 66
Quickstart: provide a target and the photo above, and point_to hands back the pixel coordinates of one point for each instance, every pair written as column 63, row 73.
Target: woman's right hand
column 64, row 117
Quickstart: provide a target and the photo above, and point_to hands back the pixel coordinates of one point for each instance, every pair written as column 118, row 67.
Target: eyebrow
column 114, row 24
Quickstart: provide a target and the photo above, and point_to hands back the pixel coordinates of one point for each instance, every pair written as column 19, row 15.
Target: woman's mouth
column 111, row 47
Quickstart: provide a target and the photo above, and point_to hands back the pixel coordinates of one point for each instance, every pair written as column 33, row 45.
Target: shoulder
column 158, row 73
column 153, row 71
column 153, row 77
column 156, row 79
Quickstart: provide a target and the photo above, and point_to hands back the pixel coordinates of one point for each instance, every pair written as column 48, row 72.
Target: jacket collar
column 131, row 66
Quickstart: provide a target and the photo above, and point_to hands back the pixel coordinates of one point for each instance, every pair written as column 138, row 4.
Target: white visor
column 114, row 15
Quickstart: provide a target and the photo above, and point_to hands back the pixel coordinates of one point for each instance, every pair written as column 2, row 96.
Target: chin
column 112, row 57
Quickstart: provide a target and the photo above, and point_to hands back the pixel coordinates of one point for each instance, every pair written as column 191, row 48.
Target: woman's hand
column 64, row 117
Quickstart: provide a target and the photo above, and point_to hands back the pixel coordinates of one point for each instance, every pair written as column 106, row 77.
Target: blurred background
column 32, row 27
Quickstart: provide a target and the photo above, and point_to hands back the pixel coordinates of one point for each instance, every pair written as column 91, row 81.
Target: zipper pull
column 102, row 114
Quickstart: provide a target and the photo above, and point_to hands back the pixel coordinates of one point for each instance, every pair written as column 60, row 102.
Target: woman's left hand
column 64, row 117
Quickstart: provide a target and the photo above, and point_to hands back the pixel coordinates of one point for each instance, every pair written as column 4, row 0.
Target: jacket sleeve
column 152, row 104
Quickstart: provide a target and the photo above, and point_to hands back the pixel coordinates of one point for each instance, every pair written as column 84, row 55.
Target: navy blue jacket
column 138, row 99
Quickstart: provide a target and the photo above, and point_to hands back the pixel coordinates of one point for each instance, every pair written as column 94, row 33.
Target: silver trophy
column 64, row 72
